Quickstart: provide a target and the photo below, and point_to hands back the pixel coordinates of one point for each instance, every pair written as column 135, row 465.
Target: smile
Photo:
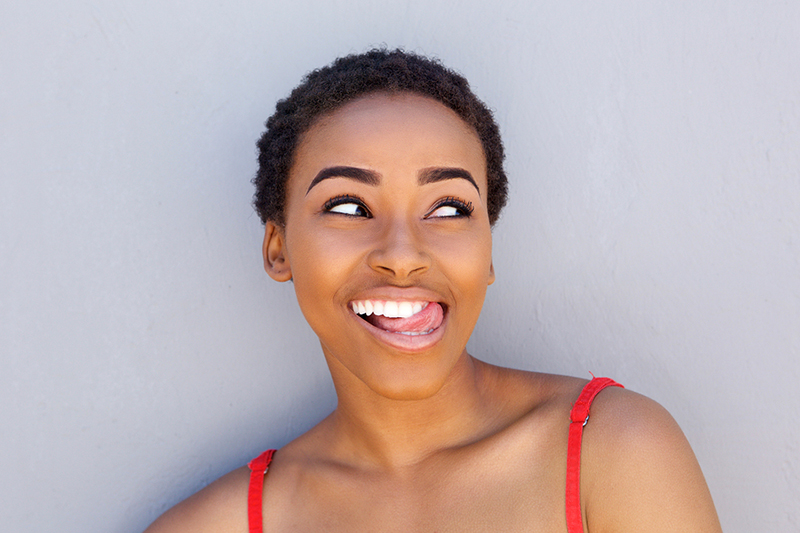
column 410, row 318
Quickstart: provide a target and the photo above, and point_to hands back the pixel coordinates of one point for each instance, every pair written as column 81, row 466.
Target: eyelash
column 451, row 201
column 466, row 208
column 345, row 199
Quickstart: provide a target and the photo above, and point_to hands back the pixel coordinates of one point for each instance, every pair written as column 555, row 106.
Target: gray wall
column 653, row 232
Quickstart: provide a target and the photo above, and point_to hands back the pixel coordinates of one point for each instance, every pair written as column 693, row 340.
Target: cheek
column 468, row 264
column 476, row 276
column 470, row 251
column 322, row 268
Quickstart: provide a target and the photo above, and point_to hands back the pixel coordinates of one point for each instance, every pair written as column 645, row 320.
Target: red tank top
column 579, row 417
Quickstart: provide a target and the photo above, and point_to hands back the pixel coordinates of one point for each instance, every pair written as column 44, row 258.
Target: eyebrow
column 432, row 175
column 370, row 177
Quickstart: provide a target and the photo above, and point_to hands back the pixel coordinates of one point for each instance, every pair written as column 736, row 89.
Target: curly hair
column 348, row 78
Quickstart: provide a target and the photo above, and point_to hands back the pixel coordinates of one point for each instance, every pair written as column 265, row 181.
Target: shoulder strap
column 579, row 417
column 258, row 469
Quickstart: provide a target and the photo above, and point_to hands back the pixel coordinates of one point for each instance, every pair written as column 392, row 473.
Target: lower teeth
column 413, row 333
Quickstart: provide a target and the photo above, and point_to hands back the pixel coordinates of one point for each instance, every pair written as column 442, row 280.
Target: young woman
column 380, row 178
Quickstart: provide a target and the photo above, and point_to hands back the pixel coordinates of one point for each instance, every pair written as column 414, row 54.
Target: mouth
column 410, row 318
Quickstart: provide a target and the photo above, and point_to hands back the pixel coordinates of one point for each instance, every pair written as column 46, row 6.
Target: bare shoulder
column 533, row 390
column 639, row 472
column 221, row 507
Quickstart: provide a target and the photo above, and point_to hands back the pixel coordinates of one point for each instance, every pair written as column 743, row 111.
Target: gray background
column 653, row 232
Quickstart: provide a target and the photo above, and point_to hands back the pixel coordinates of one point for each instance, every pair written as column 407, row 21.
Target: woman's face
column 386, row 214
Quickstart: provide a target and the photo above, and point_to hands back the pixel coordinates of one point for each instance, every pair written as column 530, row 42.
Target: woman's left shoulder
column 621, row 419
column 638, row 471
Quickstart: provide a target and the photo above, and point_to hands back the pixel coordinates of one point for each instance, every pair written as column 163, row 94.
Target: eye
column 451, row 207
column 446, row 211
column 347, row 205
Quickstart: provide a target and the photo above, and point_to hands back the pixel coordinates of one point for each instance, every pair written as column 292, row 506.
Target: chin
column 398, row 376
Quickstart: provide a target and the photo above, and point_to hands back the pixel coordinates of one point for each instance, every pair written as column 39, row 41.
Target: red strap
column 579, row 416
column 258, row 469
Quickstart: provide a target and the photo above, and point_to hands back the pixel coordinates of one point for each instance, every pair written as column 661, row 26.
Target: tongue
column 429, row 318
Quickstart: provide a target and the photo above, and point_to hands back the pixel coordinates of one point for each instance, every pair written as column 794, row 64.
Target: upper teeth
column 388, row 308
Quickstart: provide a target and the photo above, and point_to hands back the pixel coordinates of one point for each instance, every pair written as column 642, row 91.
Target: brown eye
column 451, row 207
column 347, row 205
column 446, row 211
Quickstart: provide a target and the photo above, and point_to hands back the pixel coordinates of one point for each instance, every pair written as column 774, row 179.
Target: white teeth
column 405, row 309
column 388, row 308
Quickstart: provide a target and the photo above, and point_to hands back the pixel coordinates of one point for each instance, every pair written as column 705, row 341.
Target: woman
column 380, row 178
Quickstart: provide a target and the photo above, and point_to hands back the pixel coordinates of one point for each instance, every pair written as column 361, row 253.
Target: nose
column 399, row 251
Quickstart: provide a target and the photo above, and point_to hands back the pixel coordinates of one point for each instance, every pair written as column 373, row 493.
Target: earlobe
column 276, row 262
column 491, row 273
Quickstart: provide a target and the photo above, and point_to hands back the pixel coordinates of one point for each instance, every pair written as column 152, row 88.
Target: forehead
column 394, row 130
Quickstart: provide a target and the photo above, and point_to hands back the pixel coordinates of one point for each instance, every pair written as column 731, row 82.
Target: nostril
column 399, row 261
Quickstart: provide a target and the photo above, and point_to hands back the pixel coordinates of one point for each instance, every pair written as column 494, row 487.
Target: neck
column 378, row 431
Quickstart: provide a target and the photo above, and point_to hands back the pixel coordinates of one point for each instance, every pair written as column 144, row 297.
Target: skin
column 425, row 437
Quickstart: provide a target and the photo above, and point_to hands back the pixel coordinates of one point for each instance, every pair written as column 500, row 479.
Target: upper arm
column 641, row 473
column 221, row 507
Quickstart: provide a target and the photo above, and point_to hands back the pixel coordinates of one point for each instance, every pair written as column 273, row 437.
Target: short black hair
column 348, row 78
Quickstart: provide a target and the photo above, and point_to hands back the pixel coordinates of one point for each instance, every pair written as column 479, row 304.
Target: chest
column 485, row 494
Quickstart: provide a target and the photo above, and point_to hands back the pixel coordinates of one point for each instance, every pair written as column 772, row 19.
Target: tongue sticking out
column 426, row 320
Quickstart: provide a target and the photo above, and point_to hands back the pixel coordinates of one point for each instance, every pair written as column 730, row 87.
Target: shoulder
column 638, row 471
column 221, row 507
column 533, row 404
column 530, row 391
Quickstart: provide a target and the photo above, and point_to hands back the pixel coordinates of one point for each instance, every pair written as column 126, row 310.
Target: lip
column 399, row 294
column 401, row 342
column 404, row 343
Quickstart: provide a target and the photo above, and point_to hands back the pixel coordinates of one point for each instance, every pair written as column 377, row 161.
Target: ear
column 491, row 272
column 276, row 262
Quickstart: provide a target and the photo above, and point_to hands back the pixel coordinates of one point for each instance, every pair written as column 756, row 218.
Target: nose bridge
column 399, row 249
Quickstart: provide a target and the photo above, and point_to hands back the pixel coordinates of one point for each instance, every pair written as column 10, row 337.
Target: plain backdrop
column 652, row 234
